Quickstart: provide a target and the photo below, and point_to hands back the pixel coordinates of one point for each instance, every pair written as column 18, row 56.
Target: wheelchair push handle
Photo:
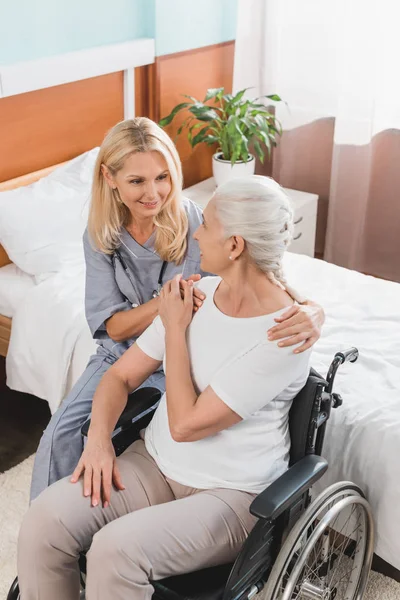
column 350, row 355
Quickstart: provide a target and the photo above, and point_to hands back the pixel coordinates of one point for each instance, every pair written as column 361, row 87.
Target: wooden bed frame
column 12, row 184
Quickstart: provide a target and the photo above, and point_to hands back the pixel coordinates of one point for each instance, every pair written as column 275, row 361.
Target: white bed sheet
column 362, row 444
column 14, row 285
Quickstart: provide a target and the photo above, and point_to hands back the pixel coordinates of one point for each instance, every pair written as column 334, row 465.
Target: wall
column 31, row 29
column 195, row 50
column 185, row 24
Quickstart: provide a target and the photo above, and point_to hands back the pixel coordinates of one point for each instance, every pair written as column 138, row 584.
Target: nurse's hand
column 301, row 323
column 176, row 312
column 99, row 468
column 198, row 295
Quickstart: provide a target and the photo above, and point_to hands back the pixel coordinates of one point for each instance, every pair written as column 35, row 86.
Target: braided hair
column 257, row 209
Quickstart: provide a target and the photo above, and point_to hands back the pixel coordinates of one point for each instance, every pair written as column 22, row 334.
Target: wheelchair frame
column 279, row 507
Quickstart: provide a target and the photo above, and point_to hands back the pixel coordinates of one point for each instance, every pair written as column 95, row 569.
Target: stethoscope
column 157, row 291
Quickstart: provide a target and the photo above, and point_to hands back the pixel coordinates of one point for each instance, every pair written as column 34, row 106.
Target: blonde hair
column 257, row 209
column 107, row 214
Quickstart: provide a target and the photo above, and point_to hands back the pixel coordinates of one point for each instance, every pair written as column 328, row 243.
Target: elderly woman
column 140, row 235
column 181, row 494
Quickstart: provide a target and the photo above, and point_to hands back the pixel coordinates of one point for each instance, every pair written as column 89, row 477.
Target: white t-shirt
column 253, row 376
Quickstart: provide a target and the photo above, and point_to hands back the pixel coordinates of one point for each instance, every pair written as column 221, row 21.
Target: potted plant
column 233, row 122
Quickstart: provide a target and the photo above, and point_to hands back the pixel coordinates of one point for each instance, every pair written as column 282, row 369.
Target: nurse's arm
column 127, row 324
column 98, row 461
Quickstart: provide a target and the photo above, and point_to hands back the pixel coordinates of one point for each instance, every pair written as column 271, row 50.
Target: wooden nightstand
column 305, row 216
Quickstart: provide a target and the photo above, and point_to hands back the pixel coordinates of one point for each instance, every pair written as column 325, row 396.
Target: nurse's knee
column 65, row 425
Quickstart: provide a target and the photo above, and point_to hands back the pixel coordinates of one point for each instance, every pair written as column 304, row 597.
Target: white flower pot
column 223, row 170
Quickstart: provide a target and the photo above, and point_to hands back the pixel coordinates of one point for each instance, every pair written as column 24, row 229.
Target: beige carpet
column 14, row 486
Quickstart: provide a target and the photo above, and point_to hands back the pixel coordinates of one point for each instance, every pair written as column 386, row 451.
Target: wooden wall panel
column 49, row 126
column 192, row 73
column 145, row 92
column 45, row 127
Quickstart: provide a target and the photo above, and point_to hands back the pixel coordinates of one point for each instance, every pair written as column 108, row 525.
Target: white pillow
column 14, row 285
column 41, row 225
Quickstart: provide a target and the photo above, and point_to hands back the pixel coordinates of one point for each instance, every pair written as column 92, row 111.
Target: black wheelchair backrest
column 303, row 417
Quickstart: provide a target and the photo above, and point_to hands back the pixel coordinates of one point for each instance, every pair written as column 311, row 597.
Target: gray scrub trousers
column 108, row 290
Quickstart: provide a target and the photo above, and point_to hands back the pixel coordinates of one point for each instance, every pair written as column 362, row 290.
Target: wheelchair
column 300, row 548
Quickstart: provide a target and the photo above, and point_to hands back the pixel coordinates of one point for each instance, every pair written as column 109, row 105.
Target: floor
column 22, row 420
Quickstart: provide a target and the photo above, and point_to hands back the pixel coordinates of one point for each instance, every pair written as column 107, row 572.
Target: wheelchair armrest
column 140, row 404
column 290, row 486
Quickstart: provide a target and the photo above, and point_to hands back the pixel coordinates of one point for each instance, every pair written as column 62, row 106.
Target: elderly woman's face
column 214, row 247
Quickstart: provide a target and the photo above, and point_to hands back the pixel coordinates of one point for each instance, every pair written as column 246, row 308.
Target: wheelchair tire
column 308, row 561
column 13, row 593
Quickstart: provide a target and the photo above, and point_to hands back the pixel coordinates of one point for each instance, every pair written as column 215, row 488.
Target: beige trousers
column 153, row 529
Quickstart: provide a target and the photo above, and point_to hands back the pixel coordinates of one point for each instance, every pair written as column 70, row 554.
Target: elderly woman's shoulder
column 208, row 284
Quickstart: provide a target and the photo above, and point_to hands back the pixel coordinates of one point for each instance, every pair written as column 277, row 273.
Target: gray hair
column 257, row 209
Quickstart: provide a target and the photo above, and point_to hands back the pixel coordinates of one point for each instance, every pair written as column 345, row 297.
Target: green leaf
column 192, row 98
column 244, row 108
column 200, row 136
column 196, row 126
column 274, row 97
column 211, row 139
column 238, row 96
column 259, row 151
column 214, row 93
column 167, row 120
column 204, row 113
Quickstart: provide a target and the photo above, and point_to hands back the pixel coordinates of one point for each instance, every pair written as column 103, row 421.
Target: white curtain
column 335, row 60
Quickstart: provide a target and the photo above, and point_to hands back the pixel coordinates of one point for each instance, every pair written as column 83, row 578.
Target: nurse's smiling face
column 143, row 183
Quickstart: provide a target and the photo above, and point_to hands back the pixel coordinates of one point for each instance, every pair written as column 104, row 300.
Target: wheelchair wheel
column 327, row 555
column 13, row 593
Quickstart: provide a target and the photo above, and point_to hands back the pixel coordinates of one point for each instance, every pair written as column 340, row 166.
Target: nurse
column 139, row 236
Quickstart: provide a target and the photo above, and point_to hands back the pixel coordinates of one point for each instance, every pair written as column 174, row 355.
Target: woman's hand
column 99, row 467
column 198, row 295
column 176, row 312
column 301, row 323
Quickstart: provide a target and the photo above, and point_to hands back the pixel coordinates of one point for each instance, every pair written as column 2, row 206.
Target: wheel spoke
column 339, row 549
column 316, row 557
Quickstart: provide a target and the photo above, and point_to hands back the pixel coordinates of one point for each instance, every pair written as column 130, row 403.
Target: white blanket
column 363, row 436
column 46, row 330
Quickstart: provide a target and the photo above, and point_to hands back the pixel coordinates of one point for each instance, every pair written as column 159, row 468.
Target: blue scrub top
column 109, row 289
